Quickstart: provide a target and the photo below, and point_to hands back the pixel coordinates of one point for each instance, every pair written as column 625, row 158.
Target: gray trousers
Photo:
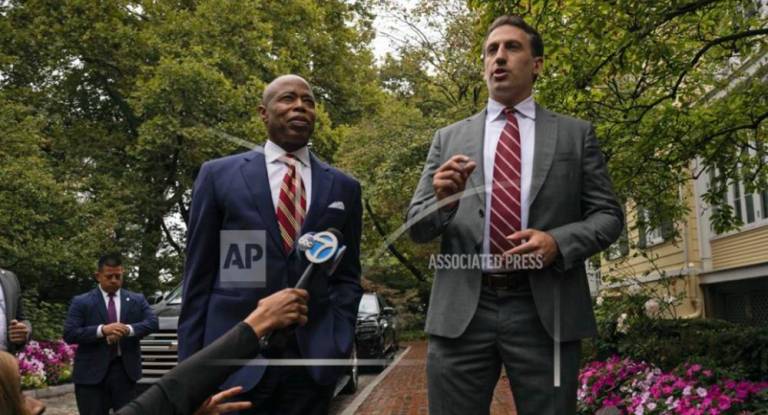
column 462, row 373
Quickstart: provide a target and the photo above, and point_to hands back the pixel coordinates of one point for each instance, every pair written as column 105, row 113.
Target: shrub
column 47, row 318
column 635, row 387
column 735, row 351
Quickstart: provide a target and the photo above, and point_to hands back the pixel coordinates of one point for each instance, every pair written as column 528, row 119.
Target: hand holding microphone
column 324, row 252
column 281, row 309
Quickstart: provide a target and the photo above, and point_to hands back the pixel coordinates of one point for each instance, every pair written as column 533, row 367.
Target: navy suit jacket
column 233, row 193
column 88, row 311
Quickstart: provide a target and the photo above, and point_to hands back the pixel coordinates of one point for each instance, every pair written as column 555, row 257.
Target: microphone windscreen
column 337, row 233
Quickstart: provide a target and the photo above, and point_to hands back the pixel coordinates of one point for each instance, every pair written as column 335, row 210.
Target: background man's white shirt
column 118, row 301
column 3, row 321
column 495, row 120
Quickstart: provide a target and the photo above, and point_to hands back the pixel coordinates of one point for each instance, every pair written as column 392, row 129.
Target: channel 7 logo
column 242, row 259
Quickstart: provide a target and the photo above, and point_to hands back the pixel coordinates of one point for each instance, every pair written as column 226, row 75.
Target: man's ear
column 538, row 65
column 263, row 113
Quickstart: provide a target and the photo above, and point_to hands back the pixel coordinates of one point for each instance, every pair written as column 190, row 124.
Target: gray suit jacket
column 14, row 311
column 571, row 197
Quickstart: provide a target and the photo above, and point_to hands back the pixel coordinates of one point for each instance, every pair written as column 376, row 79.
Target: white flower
column 651, row 406
column 687, row 390
column 599, row 300
column 701, row 392
column 670, row 300
column 634, row 288
column 652, row 308
column 621, row 325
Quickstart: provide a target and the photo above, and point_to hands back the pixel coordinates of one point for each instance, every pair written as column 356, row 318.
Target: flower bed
column 640, row 388
column 45, row 363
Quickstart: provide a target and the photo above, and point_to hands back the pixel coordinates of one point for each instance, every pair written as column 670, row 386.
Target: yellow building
column 714, row 275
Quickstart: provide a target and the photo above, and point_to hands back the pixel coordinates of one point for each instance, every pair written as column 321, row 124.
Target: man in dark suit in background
column 107, row 323
column 536, row 184
column 275, row 193
column 15, row 329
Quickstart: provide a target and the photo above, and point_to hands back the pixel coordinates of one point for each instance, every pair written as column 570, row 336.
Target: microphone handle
column 303, row 281
column 279, row 338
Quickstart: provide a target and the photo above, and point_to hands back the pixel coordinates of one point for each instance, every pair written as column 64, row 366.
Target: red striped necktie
column 505, row 194
column 292, row 203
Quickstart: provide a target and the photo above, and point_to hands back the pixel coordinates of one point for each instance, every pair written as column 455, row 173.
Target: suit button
column 481, row 213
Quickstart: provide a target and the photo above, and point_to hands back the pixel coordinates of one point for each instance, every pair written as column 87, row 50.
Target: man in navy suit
column 107, row 323
column 278, row 192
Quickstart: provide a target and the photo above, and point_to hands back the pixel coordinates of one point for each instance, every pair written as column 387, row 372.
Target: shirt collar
column 272, row 152
column 526, row 108
column 105, row 295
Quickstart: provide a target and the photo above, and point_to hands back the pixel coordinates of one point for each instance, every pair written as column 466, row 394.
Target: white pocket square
column 336, row 205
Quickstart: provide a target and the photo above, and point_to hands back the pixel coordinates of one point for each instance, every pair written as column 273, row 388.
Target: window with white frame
column 618, row 249
column 749, row 208
column 653, row 236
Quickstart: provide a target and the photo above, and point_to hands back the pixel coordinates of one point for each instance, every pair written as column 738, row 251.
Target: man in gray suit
column 15, row 330
column 512, row 181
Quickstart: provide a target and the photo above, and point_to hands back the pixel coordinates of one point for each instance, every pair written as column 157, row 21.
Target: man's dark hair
column 110, row 260
column 537, row 44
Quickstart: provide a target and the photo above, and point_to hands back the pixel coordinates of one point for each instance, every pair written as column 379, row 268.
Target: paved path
column 61, row 405
column 404, row 390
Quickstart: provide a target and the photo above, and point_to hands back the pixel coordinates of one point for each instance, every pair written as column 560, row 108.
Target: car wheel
column 351, row 386
column 395, row 341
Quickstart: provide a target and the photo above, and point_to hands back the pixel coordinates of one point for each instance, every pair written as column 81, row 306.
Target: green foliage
column 109, row 109
column 624, row 329
column 665, row 83
column 735, row 351
column 47, row 318
column 412, row 335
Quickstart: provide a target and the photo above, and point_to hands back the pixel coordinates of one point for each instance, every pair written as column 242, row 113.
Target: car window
column 368, row 304
column 175, row 296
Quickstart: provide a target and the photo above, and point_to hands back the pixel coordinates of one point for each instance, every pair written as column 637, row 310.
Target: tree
column 47, row 235
column 133, row 96
column 661, row 82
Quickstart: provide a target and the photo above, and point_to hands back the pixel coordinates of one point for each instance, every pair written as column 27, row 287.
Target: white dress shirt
column 3, row 322
column 117, row 300
column 276, row 170
column 495, row 120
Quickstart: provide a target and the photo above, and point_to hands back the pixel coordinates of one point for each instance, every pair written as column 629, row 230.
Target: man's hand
column 213, row 407
column 18, row 332
column 115, row 330
column 113, row 338
column 281, row 309
column 534, row 241
column 451, row 178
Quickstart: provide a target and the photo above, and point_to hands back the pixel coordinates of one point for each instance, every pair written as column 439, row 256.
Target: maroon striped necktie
column 292, row 203
column 505, row 193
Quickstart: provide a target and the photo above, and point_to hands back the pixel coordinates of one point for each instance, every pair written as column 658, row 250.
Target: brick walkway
column 404, row 390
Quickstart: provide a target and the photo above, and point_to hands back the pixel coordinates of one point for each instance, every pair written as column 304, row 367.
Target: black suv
column 159, row 350
column 376, row 333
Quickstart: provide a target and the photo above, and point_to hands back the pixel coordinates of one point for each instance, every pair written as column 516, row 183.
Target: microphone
column 323, row 250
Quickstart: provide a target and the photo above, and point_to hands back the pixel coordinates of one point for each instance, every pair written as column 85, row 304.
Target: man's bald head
column 288, row 112
column 274, row 86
